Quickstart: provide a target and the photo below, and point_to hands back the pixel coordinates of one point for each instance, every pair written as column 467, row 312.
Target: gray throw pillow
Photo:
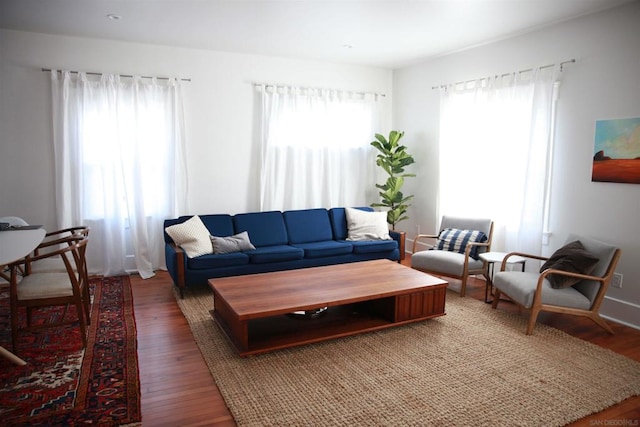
column 236, row 243
column 571, row 257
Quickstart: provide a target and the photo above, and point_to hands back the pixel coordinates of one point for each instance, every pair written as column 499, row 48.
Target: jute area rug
column 474, row 366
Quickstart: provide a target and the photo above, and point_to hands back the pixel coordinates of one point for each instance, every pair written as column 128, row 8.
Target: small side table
column 491, row 258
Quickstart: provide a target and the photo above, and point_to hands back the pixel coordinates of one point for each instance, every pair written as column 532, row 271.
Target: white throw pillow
column 363, row 225
column 192, row 236
column 236, row 243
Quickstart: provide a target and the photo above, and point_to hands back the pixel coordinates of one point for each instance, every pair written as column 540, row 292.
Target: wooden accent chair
column 53, row 288
column 455, row 260
column 582, row 294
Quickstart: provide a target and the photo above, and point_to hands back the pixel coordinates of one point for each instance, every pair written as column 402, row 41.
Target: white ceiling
column 382, row 33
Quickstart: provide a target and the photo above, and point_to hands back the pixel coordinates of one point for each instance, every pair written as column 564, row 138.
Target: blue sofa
column 283, row 241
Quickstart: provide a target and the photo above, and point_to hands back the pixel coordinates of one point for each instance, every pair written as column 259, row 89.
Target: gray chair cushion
column 481, row 224
column 521, row 287
column 445, row 262
column 604, row 252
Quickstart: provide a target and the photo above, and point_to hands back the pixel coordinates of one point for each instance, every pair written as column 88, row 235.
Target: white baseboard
column 619, row 311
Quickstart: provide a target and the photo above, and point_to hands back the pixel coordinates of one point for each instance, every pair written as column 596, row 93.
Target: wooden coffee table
column 255, row 310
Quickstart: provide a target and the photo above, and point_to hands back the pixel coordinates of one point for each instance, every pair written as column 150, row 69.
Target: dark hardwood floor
column 178, row 390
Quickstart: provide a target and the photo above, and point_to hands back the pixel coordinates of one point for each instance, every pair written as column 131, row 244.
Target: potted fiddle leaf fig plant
column 393, row 158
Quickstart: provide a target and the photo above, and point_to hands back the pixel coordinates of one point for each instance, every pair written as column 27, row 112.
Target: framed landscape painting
column 617, row 151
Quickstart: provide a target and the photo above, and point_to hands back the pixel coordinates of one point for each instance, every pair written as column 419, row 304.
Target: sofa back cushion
column 264, row 228
column 219, row 225
column 338, row 218
column 308, row 225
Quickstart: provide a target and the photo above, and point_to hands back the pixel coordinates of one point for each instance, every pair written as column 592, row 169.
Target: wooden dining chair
column 44, row 289
column 54, row 264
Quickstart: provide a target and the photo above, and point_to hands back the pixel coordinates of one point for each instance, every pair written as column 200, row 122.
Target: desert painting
column 617, row 151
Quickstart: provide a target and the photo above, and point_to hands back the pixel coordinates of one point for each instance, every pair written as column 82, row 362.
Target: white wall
column 219, row 110
column 604, row 83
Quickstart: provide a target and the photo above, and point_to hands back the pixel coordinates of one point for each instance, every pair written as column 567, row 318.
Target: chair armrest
column 71, row 244
column 422, row 236
column 70, row 230
column 549, row 271
column 544, row 274
column 522, row 254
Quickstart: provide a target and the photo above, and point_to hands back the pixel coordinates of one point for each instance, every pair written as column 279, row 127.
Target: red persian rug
column 64, row 385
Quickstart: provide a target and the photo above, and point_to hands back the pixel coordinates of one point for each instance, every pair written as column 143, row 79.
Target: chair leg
column 14, row 329
column 496, row 298
column 532, row 320
column 463, row 286
column 86, row 299
column 83, row 323
column 602, row 323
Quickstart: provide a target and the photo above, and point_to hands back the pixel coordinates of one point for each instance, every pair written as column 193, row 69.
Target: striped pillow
column 452, row 239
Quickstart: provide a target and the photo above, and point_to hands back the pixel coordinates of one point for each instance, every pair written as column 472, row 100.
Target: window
column 119, row 164
column 494, row 146
column 316, row 148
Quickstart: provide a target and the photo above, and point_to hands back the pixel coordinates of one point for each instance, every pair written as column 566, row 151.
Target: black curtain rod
column 121, row 75
column 570, row 61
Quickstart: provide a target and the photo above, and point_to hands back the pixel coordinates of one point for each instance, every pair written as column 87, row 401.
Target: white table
column 15, row 245
column 491, row 258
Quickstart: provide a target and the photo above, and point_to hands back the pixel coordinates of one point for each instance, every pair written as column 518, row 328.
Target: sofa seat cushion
column 446, row 262
column 218, row 260
column 372, row 246
column 276, row 253
column 522, row 287
column 324, row 249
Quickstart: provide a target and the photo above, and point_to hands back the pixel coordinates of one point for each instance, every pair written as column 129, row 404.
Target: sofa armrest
column 400, row 237
column 176, row 262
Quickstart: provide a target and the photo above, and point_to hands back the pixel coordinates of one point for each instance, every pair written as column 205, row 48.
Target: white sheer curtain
column 494, row 149
column 119, row 165
column 315, row 148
